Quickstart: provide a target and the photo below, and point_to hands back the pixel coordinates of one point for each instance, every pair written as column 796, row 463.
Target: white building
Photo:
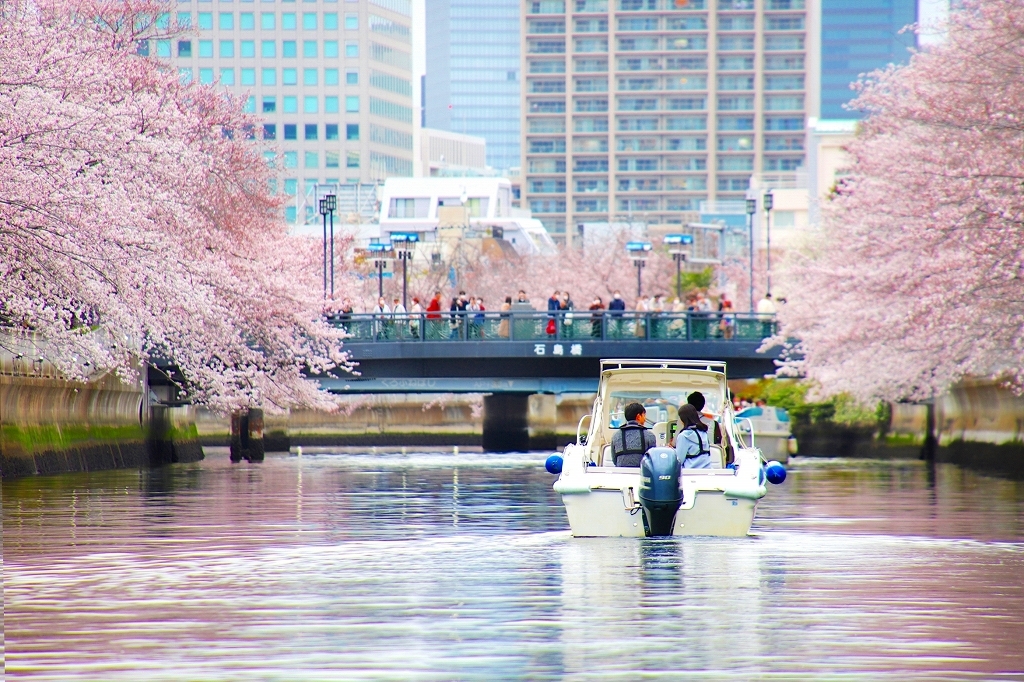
column 446, row 154
column 827, row 159
column 416, row 204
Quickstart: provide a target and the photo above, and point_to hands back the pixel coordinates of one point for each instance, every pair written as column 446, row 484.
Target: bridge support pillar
column 247, row 435
column 543, row 421
column 506, row 427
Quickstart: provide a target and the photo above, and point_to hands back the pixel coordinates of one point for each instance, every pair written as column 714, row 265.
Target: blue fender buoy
column 775, row 472
column 554, row 465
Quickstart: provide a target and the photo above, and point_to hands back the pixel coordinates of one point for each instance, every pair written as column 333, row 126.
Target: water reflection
column 460, row 568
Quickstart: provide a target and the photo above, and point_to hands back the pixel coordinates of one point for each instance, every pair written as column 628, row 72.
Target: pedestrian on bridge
column 415, row 317
column 596, row 312
column 554, row 305
column 617, row 308
column 503, row 324
column 434, row 323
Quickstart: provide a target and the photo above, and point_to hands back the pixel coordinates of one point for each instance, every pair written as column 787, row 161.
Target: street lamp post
column 332, row 206
column 769, row 202
column 382, row 252
column 751, row 210
column 323, row 212
column 404, row 255
column 679, row 256
column 639, row 252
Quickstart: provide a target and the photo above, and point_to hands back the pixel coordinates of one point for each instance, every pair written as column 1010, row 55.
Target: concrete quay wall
column 50, row 425
column 977, row 424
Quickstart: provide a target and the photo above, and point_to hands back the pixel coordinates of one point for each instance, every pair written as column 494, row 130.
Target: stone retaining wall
column 49, row 425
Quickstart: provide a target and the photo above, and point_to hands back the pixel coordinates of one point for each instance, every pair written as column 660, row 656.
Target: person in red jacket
column 434, row 317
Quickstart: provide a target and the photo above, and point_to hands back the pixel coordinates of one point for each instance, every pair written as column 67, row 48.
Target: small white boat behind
column 772, row 431
column 603, row 500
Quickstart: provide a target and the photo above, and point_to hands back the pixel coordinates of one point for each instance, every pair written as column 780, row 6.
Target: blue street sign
column 638, row 246
column 678, row 239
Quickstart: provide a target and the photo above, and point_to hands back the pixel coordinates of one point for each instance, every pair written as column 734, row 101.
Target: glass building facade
column 331, row 81
column 857, row 37
column 472, row 73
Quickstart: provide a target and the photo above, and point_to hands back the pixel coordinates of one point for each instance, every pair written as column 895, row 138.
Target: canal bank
column 544, row 422
column 49, row 425
column 976, row 424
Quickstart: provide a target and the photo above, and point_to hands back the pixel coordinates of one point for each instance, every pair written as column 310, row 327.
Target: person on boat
column 633, row 439
column 692, row 446
column 698, row 401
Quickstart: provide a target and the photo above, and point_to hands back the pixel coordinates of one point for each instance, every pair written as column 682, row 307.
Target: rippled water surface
column 442, row 567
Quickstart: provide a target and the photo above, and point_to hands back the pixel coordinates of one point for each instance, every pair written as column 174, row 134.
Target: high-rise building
column 472, row 73
column 639, row 110
column 331, row 80
column 857, row 37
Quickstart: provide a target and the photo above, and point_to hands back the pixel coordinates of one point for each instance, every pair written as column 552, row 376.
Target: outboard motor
column 660, row 496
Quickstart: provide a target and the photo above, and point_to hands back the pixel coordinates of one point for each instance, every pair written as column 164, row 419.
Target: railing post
column 689, row 326
column 647, row 325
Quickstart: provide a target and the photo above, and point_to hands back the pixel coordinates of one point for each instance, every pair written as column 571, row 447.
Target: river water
column 445, row 567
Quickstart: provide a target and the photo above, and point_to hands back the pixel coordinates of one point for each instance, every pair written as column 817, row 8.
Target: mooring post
column 254, row 435
column 239, row 435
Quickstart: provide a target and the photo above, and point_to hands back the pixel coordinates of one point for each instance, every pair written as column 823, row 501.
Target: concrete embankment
column 977, row 424
column 407, row 420
column 50, row 425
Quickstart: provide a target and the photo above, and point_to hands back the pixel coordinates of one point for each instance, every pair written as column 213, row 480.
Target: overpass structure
column 537, row 352
column 508, row 356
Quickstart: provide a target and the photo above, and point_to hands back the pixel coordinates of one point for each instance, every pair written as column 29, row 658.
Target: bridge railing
column 490, row 326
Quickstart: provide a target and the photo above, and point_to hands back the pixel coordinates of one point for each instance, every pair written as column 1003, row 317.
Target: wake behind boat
column 660, row 497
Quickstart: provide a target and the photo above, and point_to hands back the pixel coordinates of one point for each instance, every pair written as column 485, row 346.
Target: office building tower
column 331, row 81
column 472, row 73
column 857, row 37
column 640, row 110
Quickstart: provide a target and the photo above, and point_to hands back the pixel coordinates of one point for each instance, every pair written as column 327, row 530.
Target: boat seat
column 717, row 457
column 660, row 431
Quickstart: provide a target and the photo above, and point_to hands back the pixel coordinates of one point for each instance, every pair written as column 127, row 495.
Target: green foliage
column 791, row 395
column 787, row 394
column 692, row 282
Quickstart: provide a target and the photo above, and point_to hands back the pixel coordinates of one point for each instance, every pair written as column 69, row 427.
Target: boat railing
column 740, row 432
column 581, row 435
column 568, row 325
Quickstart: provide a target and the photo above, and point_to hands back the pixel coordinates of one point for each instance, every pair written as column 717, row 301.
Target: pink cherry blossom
column 918, row 279
column 138, row 204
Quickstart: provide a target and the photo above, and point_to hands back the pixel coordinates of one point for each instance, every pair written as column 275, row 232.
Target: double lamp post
column 768, row 203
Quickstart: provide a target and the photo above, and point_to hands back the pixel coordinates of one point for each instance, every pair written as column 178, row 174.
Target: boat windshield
column 661, row 406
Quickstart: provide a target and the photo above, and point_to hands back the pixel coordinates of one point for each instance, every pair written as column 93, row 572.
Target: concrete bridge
column 537, row 352
column 509, row 356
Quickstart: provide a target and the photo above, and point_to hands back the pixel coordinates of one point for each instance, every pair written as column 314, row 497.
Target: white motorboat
column 771, row 428
column 659, row 497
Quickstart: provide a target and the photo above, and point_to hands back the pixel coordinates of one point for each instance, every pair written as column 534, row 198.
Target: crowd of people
column 709, row 317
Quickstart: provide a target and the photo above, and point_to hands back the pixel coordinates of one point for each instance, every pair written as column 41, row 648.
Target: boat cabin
column 661, row 387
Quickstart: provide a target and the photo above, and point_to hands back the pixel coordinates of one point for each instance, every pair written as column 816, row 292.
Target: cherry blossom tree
column 135, row 215
column 600, row 269
column 918, row 279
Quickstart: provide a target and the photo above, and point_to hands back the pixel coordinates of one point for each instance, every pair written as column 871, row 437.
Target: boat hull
column 774, row 446
column 604, row 513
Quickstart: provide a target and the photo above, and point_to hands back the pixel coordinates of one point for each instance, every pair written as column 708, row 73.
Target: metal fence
column 544, row 326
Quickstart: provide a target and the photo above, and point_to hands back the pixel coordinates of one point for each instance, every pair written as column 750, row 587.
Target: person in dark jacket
column 633, row 439
column 554, row 305
column 616, row 308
